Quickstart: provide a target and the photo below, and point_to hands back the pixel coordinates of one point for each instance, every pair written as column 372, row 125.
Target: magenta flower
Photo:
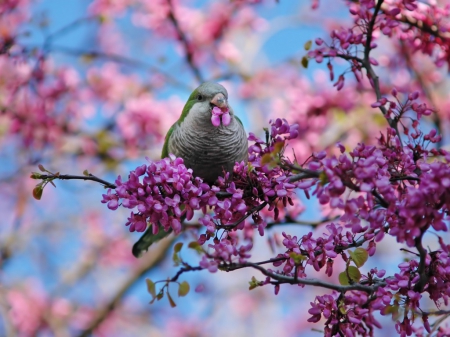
column 218, row 115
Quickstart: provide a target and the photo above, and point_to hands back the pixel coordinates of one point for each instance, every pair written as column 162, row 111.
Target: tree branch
column 187, row 47
column 421, row 270
column 306, row 281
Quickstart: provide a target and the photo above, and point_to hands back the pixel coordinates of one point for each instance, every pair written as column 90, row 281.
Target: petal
column 215, row 120
column 226, row 119
column 216, row 111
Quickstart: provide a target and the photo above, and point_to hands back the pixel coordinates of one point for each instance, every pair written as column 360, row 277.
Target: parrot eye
column 200, row 97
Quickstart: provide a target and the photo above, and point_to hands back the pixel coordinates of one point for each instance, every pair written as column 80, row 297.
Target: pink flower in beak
column 218, row 115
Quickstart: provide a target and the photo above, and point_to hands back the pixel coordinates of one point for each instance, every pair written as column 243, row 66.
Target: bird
column 209, row 138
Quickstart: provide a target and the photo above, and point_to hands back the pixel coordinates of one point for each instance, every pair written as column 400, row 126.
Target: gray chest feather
column 209, row 150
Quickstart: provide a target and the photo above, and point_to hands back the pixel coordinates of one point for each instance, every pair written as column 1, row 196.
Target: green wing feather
column 165, row 149
column 187, row 107
column 237, row 118
column 148, row 238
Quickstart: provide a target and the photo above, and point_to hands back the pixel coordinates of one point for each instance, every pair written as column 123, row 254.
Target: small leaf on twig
column 359, row 256
column 253, row 283
column 171, row 301
column 196, row 246
column 349, row 276
column 304, row 62
column 37, row 192
column 177, row 247
column 308, row 45
column 35, row 175
column 151, row 287
column 183, row 289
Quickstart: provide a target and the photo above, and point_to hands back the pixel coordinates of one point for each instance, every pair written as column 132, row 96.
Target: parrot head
column 209, row 102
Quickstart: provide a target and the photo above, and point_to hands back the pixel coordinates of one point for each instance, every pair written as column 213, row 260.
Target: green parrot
column 209, row 138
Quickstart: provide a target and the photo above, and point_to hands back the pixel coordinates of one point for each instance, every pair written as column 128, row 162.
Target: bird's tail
column 147, row 239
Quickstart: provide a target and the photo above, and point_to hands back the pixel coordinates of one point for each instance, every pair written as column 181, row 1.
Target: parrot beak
column 220, row 101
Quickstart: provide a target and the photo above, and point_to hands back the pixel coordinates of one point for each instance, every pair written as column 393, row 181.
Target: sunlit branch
column 434, row 313
column 419, row 24
column 5, row 312
column 66, row 29
column 186, row 44
column 117, row 59
column 148, row 262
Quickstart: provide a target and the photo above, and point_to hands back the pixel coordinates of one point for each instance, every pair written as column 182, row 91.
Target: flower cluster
column 165, row 194
column 348, row 314
column 316, row 252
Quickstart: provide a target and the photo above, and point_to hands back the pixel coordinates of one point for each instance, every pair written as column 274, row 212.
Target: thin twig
column 306, row 281
column 72, row 177
column 289, row 221
column 250, row 212
column 367, row 47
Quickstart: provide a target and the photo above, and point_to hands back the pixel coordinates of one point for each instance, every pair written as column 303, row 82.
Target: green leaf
column 158, row 297
column 171, row 301
column 353, row 273
column 196, row 246
column 151, row 287
column 86, row 173
column 323, row 178
column 298, row 258
column 176, row 259
column 183, row 289
column 253, row 283
column 359, row 256
column 267, row 159
column 177, row 247
column 342, row 307
column 393, row 310
column 35, row 175
column 308, row 45
column 273, row 158
column 37, row 192
column 304, row 62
